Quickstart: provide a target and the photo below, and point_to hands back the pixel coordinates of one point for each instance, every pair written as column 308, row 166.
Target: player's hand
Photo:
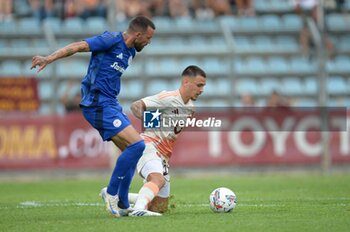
column 39, row 61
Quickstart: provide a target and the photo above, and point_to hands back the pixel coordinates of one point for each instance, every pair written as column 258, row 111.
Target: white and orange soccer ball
column 222, row 200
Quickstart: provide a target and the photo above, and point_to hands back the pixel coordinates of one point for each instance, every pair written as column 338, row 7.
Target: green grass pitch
column 278, row 202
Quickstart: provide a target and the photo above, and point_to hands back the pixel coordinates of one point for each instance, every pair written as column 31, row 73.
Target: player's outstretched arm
column 137, row 108
column 70, row 49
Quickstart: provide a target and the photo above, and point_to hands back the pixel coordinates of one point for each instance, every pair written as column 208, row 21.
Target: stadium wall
column 30, row 142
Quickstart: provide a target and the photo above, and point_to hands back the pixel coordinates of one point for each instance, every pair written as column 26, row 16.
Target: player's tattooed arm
column 68, row 50
column 137, row 108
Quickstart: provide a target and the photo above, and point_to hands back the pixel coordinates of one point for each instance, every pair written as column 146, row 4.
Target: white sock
column 146, row 194
column 133, row 197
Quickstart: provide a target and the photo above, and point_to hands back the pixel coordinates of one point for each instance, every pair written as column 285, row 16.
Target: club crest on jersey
column 152, row 119
column 117, row 123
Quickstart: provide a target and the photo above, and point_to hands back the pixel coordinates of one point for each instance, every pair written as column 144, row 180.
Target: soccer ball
column 222, row 200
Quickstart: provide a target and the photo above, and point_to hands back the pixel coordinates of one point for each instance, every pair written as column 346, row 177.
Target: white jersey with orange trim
column 170, row 103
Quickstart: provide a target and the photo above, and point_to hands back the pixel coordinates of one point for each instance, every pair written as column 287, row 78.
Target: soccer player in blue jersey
column 112, row 52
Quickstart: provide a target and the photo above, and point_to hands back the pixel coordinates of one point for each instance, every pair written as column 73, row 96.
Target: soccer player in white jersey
column 152, row 199
column 153, row 165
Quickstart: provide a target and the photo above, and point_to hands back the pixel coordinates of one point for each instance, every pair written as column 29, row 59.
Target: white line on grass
column 28, row 204
column 244, row 205
column 34, row 204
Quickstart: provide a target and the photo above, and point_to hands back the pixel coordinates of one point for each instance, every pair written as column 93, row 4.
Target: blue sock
column 125, row 163
column 124, row 188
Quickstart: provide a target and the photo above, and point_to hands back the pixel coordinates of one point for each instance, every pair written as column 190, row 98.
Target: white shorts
column 150, row 162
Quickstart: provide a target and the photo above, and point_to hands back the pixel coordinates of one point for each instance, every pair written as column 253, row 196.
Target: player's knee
column 156, row 178
column 161, row 182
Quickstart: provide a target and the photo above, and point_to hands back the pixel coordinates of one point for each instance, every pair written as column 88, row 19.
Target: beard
column 138, row 47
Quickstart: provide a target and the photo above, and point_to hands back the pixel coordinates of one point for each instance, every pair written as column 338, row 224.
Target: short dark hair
column 140, row 24
column 193, row 71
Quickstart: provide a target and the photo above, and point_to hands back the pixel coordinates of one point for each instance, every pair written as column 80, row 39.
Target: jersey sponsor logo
column 120, row 56
column 116, row 67
column 117, row 123
column 151, row 118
